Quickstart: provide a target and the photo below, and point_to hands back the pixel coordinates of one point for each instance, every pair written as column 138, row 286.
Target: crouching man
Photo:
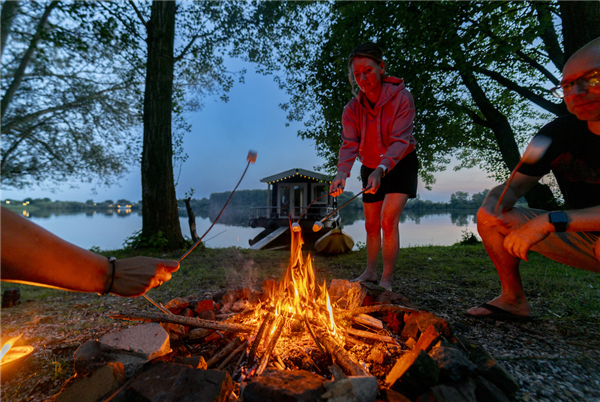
column 571, row 237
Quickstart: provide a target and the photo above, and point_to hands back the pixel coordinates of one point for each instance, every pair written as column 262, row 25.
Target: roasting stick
column 319, row 224
column 251, row 159
column 296, row 225
column 535, row 150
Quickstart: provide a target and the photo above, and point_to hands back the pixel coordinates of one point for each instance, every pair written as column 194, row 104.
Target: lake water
column 110, row 231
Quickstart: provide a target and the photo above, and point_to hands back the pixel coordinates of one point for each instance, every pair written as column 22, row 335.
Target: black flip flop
column 500, row 314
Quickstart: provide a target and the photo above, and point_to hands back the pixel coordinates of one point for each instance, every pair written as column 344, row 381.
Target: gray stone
column 170, row 382
column 492, row 371
column 289, row 386
column 345, row 294
column 458, row 392
column 146, row 340
column 89, row 357
column 91, row 388
column 488, row 392
column 453, row 363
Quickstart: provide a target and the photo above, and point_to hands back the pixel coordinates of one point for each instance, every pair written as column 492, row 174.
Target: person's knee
column 372, row 227
column 389, row 225
column 483, row 226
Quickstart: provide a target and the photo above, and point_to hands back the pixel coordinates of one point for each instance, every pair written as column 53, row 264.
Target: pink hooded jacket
column 390, row 122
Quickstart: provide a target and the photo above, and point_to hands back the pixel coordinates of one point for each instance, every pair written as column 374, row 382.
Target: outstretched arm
column 519, row 241
column 34, row 256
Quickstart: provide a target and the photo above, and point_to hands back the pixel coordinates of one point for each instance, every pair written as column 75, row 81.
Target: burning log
column 186, row 321
column 266, row 322
column 279, row 324
column 370, row 335
column 232, row 355
column 341, row 357
column 223, row 352
column 380, row 308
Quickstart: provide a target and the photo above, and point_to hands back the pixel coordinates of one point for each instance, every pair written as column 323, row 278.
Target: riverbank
column 559, row 351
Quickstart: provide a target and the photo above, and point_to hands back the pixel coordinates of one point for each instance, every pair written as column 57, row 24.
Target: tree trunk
column 540, row 196
column 580, row 23
column 159, row 212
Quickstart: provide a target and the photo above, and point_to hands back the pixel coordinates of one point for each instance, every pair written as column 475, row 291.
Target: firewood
column 367, row 320
column 223, row 352
column 232, row 355
column 370, row 335
column 279, row 324
column 340, row 356
column 258, row 338
column 340, row 315
column 186, row 321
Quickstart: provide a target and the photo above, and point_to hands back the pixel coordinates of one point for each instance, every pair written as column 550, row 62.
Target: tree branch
column 557, row 109
column 549, row 36
column 538, row 67
column 14, row 85
column 8, row 127
column 139, row 14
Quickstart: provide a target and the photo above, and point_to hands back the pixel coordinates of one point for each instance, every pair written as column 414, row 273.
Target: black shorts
column 403, row 178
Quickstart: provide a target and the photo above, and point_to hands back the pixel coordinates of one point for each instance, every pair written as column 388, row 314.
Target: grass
column 462, row 271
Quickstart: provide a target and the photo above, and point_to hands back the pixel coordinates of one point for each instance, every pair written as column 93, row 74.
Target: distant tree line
column 74, row 206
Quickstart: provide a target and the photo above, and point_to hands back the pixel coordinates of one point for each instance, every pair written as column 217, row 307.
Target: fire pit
column 297, row 326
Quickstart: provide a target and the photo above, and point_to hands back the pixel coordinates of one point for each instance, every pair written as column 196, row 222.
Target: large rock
column 148, row 341
column 492, row 371
column 413, row 373
column 453, row 363
column 289, row 386
column 91, row 388
column 463, row 391
column 347, row 295
column 89, row 357
column 170, row 382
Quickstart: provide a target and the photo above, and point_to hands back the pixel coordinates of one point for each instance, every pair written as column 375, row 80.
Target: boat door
column 291, row 199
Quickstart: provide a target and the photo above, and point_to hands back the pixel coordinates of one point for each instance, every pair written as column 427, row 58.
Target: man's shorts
column 403, row 178
column 575, row 249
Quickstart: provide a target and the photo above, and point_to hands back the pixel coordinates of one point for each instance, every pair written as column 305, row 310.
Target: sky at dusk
column 221, row 136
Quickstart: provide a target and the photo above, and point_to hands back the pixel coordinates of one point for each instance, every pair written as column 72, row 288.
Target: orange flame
column 298, row 293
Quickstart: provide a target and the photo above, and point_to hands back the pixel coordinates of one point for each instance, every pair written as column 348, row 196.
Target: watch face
column 558, row 217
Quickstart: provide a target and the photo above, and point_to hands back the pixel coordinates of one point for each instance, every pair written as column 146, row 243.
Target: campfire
column 348, row 339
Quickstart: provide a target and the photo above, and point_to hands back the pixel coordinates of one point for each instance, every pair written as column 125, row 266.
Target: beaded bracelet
column 113, row 262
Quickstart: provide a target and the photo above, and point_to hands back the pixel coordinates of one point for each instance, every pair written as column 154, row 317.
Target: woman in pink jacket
column 378, row 129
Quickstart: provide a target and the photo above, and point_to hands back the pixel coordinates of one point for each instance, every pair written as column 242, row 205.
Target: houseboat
column 301, row 196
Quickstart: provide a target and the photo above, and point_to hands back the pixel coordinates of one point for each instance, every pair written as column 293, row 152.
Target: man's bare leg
column 373, row 227
column 512, row 298
column 393, row 204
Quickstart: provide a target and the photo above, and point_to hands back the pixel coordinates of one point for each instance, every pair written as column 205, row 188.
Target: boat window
column 320, row 189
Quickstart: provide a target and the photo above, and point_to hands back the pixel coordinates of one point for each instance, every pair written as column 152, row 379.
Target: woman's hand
column 338, row 184
column 135, row 276
column 374, row 181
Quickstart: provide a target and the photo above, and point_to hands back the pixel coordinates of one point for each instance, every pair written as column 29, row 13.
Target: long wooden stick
column 279, row 324
column 340, row 315
column 340, row 356
column 185, row 321
column 265, row 324
column 223, row 352
column 370, row 335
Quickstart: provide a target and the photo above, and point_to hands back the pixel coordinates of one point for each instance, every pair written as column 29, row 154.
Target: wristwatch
column 559, row 220
column 384, row 170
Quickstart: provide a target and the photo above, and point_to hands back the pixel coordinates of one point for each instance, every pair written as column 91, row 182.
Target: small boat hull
column 336, row 241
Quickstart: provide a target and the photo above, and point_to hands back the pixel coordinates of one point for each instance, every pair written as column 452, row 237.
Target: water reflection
column 100, row 229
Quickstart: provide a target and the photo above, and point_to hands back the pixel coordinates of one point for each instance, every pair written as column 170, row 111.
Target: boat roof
column 297, row 172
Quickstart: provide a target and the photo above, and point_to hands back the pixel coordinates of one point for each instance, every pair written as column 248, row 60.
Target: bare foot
column 367, row 276
column 516, row 308
column 387, row 285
